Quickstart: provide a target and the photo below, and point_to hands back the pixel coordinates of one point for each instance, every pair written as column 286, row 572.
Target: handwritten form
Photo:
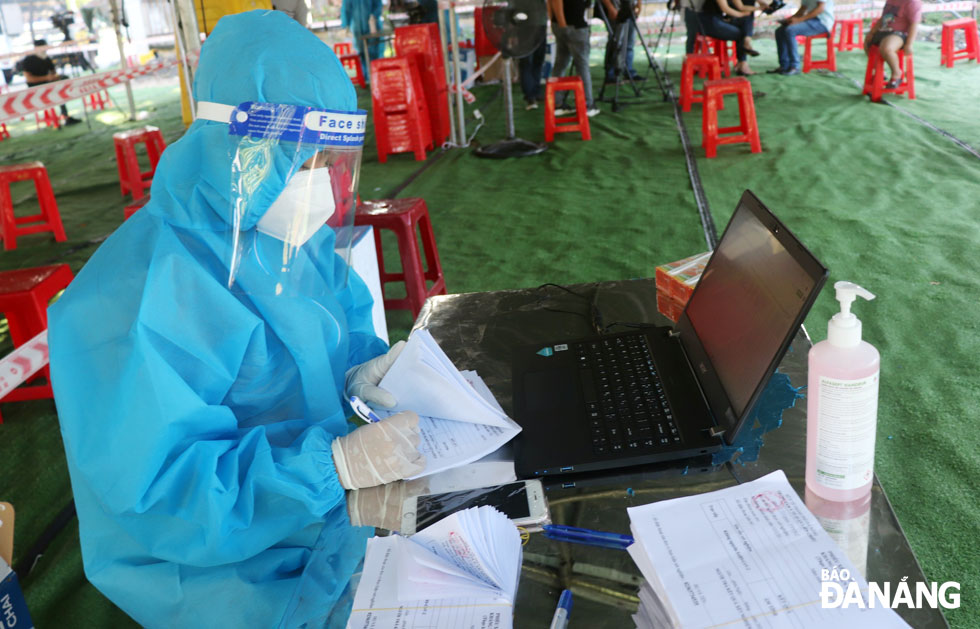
column 745, row 556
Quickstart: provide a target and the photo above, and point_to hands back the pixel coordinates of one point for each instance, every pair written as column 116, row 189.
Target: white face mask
column 303, row 208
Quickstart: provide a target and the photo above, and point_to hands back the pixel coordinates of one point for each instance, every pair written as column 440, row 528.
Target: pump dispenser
column 842, row 405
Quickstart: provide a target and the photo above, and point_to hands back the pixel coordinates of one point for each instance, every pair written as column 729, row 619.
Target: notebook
column 669, row 393
column 461, row 572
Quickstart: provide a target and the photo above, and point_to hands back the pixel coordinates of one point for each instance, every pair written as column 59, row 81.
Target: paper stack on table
column 459, row 419
column 749, row 555
column 460, row 573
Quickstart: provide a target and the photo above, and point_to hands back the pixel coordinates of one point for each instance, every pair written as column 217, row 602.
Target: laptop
column 666, row 393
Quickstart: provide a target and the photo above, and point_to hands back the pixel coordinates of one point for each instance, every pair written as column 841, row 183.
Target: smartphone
column 522, row 501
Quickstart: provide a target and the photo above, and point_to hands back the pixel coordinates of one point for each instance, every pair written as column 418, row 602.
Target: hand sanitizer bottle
column 842, row 406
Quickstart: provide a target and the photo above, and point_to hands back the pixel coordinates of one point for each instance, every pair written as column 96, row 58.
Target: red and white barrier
column 17, row 104
column 22, row 363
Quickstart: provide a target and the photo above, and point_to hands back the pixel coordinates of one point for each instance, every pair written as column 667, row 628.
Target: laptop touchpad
column 550, row 390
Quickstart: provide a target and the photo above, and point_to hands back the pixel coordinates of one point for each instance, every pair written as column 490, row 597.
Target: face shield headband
column 293, row 189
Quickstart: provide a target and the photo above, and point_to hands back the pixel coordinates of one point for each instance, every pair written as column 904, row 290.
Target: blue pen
column 560, row 619
column 363, row 410
column 589, row 537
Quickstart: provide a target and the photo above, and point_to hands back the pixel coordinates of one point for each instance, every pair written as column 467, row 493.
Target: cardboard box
column 13, row 608
column 668, row 307
column 678, row 279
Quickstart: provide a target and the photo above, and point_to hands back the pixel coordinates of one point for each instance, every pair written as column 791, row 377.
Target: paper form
column 447, row 576
column 746, row 556
column 447, row 443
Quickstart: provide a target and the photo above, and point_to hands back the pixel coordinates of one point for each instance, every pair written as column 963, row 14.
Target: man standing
column 571, row 28
column 39, row 69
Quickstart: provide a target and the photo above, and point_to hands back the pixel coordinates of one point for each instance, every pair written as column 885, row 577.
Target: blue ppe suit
column 355, row 15
column 197, row 420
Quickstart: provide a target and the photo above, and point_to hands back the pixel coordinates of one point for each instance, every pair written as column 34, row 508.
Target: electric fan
column 516, row 28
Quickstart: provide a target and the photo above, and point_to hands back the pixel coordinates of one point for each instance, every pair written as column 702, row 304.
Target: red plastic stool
column 702, row 65
column 49, row 220
column 972, row 50
column 24, row 298
column 724, row 50
column 850, row 34
column 402, row 216
column 97, row 100
column 401, row 116
column 578, row 122
column 351, row 62
column 830, row 63
column 50, row 118
column 747, row 131
column 4, row 134
column 131, row 209
column 874, row 76
column 131, row 179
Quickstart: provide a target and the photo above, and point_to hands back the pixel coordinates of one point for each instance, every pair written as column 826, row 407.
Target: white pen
column 363, row 410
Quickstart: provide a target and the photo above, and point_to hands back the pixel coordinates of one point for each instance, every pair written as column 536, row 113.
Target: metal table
column 479, row 330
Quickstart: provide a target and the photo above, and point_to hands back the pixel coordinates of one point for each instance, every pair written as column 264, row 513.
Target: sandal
column 752, row 52
column 894, row 83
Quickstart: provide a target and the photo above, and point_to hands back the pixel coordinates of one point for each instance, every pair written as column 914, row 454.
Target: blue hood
column 192, row 188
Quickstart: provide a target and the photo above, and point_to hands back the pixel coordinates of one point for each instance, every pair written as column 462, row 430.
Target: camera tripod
column 620, row 33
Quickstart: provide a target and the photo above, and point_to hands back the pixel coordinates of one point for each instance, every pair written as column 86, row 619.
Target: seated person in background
column 748, row 6
column 893, row 31
column 722, row 21
column 38, row 70
column 813, row 18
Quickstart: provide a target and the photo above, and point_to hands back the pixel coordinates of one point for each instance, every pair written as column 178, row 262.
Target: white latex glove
column 379, row 453
column 381, row 507
column 362, row 380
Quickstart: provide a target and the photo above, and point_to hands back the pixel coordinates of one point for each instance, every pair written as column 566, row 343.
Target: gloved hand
column 379, row 453
column 381, row 507
column 362, row 380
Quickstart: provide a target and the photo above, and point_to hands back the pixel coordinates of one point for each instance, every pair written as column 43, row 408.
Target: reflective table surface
column 479, row 331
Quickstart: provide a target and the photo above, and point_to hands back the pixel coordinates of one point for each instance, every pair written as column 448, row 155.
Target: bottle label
column 847, row 417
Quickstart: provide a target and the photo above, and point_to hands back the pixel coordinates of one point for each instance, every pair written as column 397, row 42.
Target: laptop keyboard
column 626, row 406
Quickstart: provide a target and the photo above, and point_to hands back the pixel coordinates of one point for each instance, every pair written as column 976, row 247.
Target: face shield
column 294, row 173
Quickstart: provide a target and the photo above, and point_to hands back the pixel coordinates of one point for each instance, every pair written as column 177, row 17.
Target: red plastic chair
column 874, row 76
column 49, row 220
column 722, row 49
column 401, row 116
column 830, row 63
column 131, row 179
column 972, row 44
column 24, row 298
column 746, row 131
column 703, row 66
column 579, row 122
column 50, row 118
column 850, row 34
column 404, row 216
column 423, row 41
column 4, row 134
column 132, row 208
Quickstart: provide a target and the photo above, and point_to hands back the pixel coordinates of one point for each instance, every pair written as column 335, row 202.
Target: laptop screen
column 752, row 297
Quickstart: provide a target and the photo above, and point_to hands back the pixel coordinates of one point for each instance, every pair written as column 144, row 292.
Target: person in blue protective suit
column 201, row 359
column 356, row 15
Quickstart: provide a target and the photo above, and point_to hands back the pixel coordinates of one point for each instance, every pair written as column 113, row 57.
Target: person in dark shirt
column 38, row 69
column 571, row 28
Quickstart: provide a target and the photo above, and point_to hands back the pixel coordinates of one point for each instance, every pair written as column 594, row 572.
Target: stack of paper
column 460, row 573
column 459, row 419
column 745, row 556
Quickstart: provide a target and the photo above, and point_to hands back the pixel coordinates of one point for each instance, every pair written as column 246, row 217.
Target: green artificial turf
column 880, row 198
